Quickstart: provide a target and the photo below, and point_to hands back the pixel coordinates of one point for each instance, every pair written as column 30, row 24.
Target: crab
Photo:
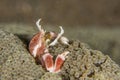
column 39, row 48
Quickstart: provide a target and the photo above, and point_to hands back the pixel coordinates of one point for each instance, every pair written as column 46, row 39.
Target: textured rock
column 82, row 63
column 51, row 76
column 85, row 63
column 15, row 61
column 8, row 43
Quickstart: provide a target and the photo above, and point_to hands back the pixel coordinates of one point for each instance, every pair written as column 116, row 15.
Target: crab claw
column 48, row 61
column 37, row 44
column 64, row 40
column 59, row 61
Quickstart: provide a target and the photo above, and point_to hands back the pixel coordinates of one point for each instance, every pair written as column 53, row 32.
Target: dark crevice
column 91, row 74
column 25, row 38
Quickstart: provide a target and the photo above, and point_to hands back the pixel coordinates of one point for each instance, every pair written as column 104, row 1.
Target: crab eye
column 47, row 35
column 50, row 35
column 53, row 34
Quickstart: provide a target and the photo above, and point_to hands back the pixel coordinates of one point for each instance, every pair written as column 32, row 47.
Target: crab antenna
column 38, row 24
column 59, row 35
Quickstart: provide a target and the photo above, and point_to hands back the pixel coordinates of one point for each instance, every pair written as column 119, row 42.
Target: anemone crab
column 39, row 48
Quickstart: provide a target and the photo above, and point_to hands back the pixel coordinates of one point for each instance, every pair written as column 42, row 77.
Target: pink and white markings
column 39, row 48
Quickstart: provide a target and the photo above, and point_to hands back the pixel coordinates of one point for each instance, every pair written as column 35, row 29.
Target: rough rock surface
column 9, row 44
column 15, row 61
column 82, row 63
column 51, row 76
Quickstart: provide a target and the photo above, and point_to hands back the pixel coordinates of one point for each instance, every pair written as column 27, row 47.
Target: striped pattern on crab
column 39, row 45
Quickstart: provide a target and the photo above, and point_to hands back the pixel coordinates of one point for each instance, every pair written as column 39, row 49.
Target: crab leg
column 59, row 35
column 38, row 25
column 59, row 61
column 48, row 61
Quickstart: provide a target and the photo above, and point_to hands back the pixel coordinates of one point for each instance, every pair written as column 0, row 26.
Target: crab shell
column 37, row 45
column 39, row 42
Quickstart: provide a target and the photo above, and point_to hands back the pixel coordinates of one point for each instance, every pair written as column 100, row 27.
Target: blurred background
column 62, row 12
column 95, row 22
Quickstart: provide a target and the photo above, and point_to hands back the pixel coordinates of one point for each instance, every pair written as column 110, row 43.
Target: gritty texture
column 51, row 76
column 15, row 61
column 8, row 43
column 84, row 63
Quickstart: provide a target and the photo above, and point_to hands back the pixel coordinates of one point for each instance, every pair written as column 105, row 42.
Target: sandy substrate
column 83, row 63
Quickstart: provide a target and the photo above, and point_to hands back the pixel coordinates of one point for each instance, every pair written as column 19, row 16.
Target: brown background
column 62, row 12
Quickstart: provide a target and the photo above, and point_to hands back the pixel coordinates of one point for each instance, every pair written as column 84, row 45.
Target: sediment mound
column 82, row 63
